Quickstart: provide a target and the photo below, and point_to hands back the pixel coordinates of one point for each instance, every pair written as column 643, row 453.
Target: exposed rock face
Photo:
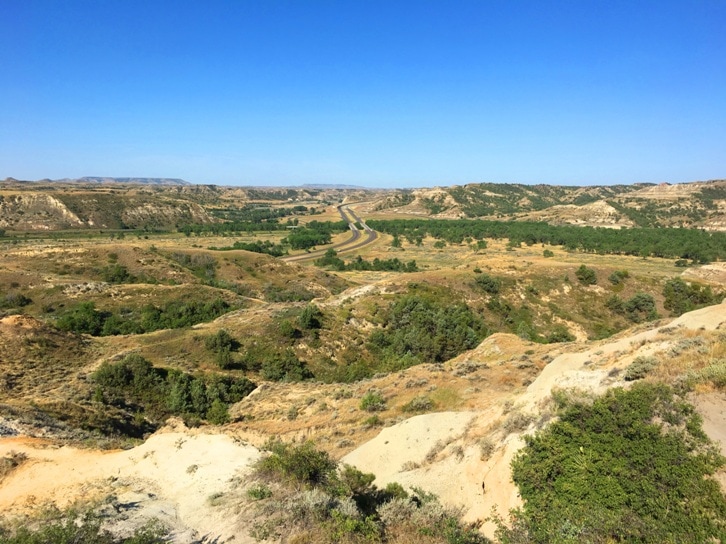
column 165, row 214
column 595, row 214
column 36, row 211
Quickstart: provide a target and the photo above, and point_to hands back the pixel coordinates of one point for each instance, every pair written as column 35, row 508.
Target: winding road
column 359, row 238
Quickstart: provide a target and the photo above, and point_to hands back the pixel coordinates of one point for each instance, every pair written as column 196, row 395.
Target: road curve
column 357, row 239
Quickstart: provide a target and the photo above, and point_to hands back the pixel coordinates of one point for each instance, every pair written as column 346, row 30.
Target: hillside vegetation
column 484, row 348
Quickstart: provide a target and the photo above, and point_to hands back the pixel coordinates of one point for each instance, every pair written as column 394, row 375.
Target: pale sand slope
column 172, row 476
column 461, row 477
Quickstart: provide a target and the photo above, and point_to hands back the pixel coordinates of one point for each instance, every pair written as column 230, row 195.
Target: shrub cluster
column 629, row 467
column 618, row 277
column 331, row 260
column 426, row 326
column 85, row 318
column 341, row 504
column 489, row 284
column 640, row 307
column 682, row 297
column 694, row 244
column 13, row 300
column 258, row 246
column 158, row 392
column 222, row 345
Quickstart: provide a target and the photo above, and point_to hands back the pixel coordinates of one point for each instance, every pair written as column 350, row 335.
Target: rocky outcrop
column 36, row 211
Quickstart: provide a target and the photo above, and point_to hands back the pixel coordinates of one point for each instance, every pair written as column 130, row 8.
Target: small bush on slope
column 326, row 503
column 631, row 467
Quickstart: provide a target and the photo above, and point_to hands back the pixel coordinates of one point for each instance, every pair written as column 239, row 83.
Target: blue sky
column 379, row 94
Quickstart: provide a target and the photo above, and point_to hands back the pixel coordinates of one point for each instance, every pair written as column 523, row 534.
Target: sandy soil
column 174, row 476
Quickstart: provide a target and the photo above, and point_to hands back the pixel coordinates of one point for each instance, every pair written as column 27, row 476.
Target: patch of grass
column 421, row 403
column 446, row 398
column 259, row 491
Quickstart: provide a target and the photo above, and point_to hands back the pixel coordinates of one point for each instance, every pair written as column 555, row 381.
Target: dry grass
column 689, row 353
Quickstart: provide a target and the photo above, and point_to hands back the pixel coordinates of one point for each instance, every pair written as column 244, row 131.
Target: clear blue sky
column 381, row 94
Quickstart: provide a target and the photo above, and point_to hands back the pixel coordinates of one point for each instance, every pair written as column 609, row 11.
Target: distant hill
column 110, row 202
column 141, row 181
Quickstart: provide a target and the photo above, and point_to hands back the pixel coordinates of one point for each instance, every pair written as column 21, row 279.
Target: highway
column 357, row 240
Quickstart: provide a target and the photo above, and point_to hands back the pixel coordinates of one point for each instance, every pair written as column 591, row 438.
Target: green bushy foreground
column 318, row 501
column 630, row 467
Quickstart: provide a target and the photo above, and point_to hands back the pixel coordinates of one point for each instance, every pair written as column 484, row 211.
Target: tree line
column 697, row 245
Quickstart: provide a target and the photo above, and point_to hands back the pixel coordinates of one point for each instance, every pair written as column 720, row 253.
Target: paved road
column 357, row 240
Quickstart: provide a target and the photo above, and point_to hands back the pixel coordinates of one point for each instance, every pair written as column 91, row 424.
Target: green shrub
column 85, row 318
column 629, row 467
column 618, row 276
column 372, row 401
column 488, row 283
column 681, row 297
column 284, row 366
column 547, row 253
column 220, row 341
column 310, row 318
column 421, row 403
column 117, row 273
column 303, row 463
column 640, row 367
column 258, row 492
column 217, row 413
column 640, row 307
column 425, row 325
column 373, row 421
column 342, row 505
column 14, row 300
column 160, row 392
column 585, row 275
column 560, row 333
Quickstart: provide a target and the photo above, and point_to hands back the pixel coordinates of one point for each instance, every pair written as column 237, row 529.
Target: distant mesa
column 141, row 181
column 101, row 179
column 323, row 186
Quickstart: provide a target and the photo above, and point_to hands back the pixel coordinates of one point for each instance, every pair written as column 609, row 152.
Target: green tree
column 488, row 283
column 311, row 318
column 681, row 297
column 585, row 275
